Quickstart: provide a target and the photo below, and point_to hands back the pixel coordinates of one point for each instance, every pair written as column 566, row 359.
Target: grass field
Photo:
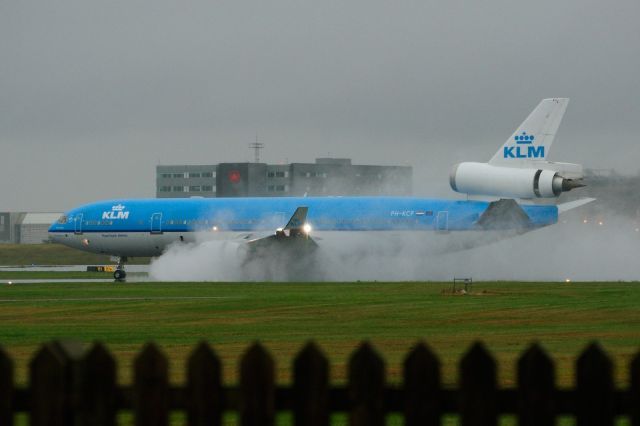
column 507, row 316
column 53, row 254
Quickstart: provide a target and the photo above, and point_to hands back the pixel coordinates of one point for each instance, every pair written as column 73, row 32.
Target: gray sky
column 93, row 95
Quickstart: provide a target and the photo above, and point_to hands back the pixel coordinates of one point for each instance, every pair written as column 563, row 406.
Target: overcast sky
column 93, row 95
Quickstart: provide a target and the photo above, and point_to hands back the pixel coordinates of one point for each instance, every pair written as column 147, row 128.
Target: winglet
column 298, row 219
column 565, row 207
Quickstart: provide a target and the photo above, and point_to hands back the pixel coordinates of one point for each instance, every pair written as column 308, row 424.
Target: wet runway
column 118, row 299
column 65, row 268
column 133, row 279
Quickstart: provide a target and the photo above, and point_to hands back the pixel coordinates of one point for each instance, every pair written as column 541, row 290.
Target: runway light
column 306, row 228
column 9, row 282
column 601, row 223
column 568, row 280
column 215, row 228
column 585, row 221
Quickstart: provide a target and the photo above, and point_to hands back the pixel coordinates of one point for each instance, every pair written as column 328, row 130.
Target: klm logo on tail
column 117, row 212
column 524, row 148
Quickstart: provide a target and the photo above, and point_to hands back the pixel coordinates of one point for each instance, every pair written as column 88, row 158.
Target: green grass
column 53, row 254
column 507, row 316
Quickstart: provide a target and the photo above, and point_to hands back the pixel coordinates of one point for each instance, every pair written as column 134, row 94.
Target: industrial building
column 327, row 176
column 25, row 228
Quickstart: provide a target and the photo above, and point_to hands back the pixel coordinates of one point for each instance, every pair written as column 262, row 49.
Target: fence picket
column 422, row 387
column 634, row 397
column 98, row 384
column 47, row 378
column 366, row 387
column 151, row 387
column 536, row 381
column 594, row 388
column 311, row 387
column 66, row 389
column 6, row 389
column 204, row 387
column 478, row 395
column 257, row 387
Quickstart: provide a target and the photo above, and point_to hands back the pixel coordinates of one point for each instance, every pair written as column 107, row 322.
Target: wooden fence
column 70, row 387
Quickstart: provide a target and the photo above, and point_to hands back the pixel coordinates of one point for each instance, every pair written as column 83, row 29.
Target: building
column 185, row 181
column 327, row 176
column 25, row 228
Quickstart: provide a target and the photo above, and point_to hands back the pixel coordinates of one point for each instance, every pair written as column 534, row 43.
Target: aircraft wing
column 294, row 236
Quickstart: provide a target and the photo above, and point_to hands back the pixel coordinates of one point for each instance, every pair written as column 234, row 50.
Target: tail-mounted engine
column 511, row 182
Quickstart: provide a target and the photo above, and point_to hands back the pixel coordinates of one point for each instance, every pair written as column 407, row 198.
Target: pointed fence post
column 536, row 388
column 71, row 351
column 422, row 387
column 257, row 387
column 98, row 407
column 366, row 387
column 634, row 398
column 151, row 387
column 204, row 387
column 47, row 377
column 6, row 389
column 594, row 389
column 311, row 387
column 478, row 394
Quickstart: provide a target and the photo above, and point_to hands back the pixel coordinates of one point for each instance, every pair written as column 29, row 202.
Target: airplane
column 511, row 184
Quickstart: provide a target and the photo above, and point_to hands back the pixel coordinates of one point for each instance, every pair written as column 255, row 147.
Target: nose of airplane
column 58, row 229
column 53, row 236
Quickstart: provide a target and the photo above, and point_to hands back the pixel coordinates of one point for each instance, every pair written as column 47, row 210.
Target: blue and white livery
column 518, row 171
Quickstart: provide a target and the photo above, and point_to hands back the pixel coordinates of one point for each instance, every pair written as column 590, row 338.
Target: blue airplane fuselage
column 139, row 227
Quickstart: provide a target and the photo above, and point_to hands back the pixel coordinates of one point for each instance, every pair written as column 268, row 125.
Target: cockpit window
column 62, row 220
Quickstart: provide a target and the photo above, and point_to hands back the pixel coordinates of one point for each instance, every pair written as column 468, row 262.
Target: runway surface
column 71, row 280
column 65, row 268
column 118, row 299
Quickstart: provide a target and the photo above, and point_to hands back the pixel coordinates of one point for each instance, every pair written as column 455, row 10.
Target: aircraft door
column 78, row 224
column 442, row 222
column 156, row 223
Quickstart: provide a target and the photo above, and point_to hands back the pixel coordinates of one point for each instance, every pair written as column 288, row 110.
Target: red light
column 234, row 176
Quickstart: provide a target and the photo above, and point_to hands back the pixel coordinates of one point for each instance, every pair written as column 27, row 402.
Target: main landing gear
column 120, row 274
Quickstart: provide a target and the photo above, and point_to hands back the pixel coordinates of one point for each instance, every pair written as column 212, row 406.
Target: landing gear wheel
column 119, row 274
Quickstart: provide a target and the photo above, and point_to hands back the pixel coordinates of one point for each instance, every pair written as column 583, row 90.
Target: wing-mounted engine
column 520, row 168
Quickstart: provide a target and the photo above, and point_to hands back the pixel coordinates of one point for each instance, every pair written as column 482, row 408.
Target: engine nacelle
column 509, row 182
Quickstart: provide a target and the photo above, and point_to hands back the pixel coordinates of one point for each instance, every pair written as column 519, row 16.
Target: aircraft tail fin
column 532, row 141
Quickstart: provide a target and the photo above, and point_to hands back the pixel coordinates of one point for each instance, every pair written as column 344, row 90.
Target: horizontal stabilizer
column 504, row 214
column 565, row 207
